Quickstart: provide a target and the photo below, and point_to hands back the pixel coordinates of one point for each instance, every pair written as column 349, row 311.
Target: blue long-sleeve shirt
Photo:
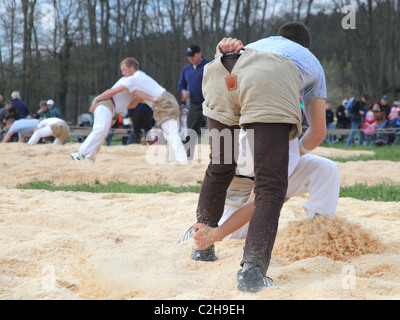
column 191, row 80
column 21, row 106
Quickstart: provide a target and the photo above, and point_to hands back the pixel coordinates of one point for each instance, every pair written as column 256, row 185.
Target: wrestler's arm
column 108, row 94
column 144, row 96
column 205, row 236
column 239, row 218
column 134, row 103
column 8, row 136
column 316, row 132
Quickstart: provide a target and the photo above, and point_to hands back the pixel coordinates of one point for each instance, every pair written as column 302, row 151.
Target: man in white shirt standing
column 133, row 87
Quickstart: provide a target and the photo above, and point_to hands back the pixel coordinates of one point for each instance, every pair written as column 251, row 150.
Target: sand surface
column 75, row 245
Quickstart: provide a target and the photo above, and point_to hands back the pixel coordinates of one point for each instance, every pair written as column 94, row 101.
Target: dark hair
column 296, row 32
column 365, row 96
column 12, row 110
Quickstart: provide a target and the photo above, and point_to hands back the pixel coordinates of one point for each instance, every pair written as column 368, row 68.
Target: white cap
column 50, row 102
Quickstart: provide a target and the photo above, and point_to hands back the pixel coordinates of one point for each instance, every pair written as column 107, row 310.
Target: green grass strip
column 110, row 187
column 389, row 153
column 381, row 192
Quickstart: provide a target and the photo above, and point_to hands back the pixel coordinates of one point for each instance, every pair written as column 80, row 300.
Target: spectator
column 9, row 112
column 1, row 102
column 356, row 115
column 142, row 121
column 380, row 117
column 393, row 113
column 3, row 117
column 369, row 128
column 21, row 106
column 190, row 86
column 384, row 105
column 379, row 114
column 22, row 126
column 391, row 122
column 343, row 120
column 384, row 123
column 55, row 113
column 330, row 118
column 43, row 112
column 4, row 113
column 397, row 105
column 12, row 113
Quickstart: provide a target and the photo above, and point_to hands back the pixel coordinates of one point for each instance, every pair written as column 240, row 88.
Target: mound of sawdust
column 334, row 238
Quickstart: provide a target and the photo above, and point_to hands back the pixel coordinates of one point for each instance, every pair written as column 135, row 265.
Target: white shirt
column 123, row 99
column 138, row 81
column 24, row 125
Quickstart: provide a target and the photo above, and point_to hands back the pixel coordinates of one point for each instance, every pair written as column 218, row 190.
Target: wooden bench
column 84, row 131
column 347, row 131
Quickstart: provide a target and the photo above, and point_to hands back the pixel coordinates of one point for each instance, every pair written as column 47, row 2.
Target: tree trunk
column 28, row 8
column 91, row 10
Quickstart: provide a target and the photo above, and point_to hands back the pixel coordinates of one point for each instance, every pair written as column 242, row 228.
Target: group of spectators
column 363, row 119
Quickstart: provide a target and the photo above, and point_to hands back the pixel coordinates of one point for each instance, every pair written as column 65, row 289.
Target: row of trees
column 69, row 50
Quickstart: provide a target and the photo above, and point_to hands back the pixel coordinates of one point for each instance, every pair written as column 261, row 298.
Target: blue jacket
column 21, row 106
column 191, row 79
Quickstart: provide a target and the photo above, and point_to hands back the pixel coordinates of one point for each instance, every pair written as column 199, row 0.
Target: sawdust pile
column 333, row 238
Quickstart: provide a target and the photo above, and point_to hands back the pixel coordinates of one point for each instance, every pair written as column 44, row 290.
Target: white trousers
column 101, row 127
column 42, row 133
column 314, row 175
column 176, row 150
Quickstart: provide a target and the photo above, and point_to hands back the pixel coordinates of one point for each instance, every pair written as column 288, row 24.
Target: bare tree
column 28, row 8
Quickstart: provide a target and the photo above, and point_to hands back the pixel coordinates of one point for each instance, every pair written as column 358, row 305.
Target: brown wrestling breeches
column 271, row 157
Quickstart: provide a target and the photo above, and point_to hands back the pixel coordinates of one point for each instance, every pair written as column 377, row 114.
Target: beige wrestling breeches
column 61, row 131
column 265, row 89
column 166, row 109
